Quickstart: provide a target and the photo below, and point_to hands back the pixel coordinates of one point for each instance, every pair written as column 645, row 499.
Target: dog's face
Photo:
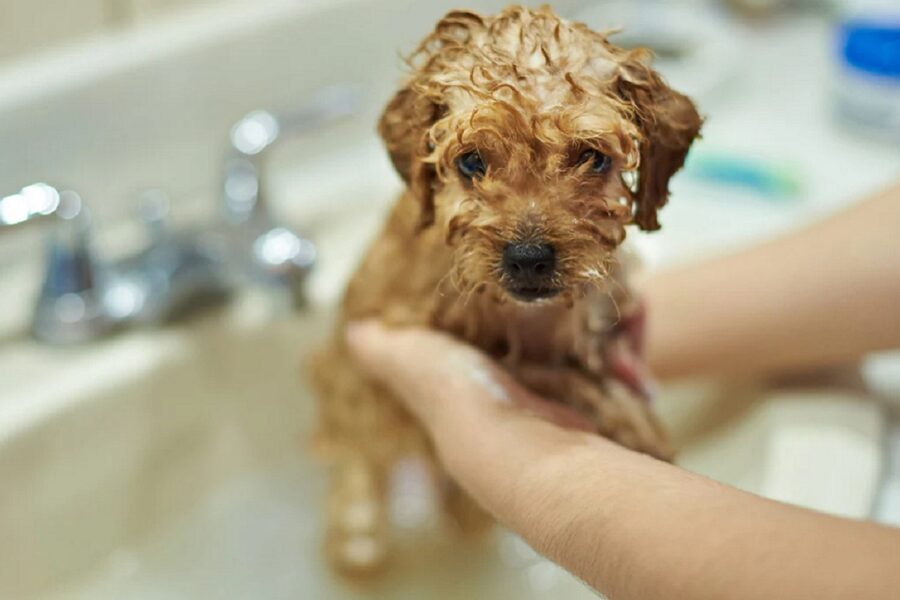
column 529, row 192
column 520, row 135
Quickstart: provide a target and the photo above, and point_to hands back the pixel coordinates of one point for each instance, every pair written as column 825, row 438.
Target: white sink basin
column 171, row 463
column 189, row 477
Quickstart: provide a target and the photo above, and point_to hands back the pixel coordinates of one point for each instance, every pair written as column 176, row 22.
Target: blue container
column 868, row 88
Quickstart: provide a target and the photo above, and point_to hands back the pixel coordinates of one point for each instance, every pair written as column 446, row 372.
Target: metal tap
column 69, row 307
column 180, row 268
column 82, row 298
column 272, row 253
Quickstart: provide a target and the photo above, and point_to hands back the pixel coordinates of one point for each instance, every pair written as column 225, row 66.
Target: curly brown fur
column 529, row 92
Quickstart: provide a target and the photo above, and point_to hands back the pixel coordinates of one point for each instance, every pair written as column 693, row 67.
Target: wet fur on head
column 530, row 92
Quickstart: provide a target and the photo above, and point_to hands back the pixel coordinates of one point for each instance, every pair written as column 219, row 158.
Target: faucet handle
column 31, row 204
column 70, row 305
column 265, row 250
column 177, row 271
column 256, row 132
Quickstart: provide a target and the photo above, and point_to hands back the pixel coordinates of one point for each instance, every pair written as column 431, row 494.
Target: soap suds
column 483, row 377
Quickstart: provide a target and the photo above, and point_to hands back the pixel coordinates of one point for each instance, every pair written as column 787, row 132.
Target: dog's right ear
column 668, row 122
column 404, row 128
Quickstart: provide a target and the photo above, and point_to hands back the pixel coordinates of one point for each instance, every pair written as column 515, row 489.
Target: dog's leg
column 356, row 540
column 619, row 415
column 363, row 430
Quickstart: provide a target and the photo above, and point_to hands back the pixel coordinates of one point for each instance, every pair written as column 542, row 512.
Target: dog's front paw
column 624, row 417
column 356, row 542
column 619, row 413
column 356, row 555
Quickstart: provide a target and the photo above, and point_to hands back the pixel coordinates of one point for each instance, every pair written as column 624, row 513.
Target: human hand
column 616, row 518
column 468, row 404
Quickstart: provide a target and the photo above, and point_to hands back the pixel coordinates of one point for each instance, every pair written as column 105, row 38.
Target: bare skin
column 632, row 527
column 822, row 296
column 637, row 528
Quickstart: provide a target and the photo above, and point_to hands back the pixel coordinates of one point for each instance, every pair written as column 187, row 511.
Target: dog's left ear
column 668, row 122
column 404, row 128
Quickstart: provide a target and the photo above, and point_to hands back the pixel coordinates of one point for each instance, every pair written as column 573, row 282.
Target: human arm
column 630, row 526
column 821, row 296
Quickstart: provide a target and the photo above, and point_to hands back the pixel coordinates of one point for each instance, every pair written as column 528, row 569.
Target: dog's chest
column 551, row 333
column 538, row 333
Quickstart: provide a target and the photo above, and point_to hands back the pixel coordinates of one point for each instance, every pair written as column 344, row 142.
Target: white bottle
column 867, row 90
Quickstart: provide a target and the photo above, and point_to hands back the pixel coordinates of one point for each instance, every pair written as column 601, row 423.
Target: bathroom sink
column 188, row 475
column 172, row 462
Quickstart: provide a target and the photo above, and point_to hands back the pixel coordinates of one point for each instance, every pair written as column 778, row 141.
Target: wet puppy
column 528, row 143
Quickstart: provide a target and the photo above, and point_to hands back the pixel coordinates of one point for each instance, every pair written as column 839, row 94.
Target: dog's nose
column 529, row 263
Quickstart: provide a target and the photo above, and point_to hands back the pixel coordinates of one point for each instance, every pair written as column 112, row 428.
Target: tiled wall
column 32, row 25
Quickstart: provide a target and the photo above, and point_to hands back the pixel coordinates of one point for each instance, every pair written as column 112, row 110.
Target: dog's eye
column 599, row 162
column 470, row 165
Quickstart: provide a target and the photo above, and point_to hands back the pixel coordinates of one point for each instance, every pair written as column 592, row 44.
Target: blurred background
column 185, row 186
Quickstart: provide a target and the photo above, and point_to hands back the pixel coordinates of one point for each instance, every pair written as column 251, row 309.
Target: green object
column 770, row 181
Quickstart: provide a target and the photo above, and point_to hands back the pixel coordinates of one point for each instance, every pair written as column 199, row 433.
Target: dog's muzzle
column 529, row 270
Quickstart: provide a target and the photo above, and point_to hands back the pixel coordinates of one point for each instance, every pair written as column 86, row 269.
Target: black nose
column 529, row 264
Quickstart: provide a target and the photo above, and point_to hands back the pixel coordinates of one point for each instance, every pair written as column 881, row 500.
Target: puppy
column 527, row 143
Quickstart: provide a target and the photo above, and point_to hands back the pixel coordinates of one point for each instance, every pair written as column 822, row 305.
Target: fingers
column 425, row 367
column 439, row 378
column 487, row 429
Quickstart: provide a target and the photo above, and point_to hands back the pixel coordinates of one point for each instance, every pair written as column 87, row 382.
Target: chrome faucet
column 264, row 251
column 83, row 298
column 180, row 269
column 272, row 253
column 70, row 306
